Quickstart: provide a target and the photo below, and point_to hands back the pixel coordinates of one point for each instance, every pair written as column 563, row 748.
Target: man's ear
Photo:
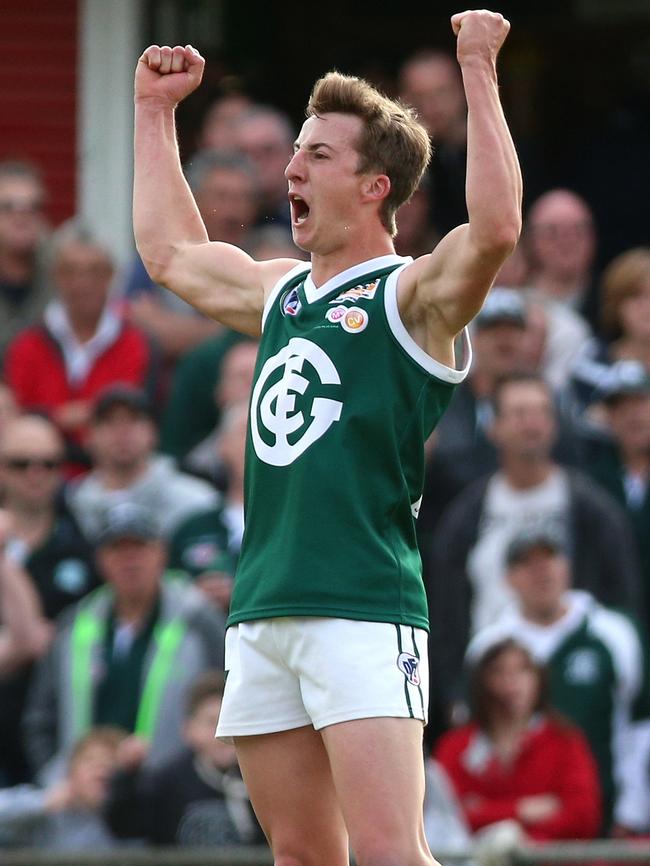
column 376, row 187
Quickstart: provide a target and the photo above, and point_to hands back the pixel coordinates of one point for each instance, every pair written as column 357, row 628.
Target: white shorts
column 288, row 672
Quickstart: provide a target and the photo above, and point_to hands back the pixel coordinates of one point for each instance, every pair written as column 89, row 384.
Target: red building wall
column 38, row 91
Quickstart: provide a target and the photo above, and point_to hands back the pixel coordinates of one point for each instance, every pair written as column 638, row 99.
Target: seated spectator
column 23, row 229
column 625, row 301
column 126, row 654
column 44, row 540
column 266, row 136
column 197, row 796
column 83, row 344
column 598, row 672
column 560, row 242
column 207, row 545
column 24, row 632
column 620, row 462
column 516, row 759
column 218, row 129
column 225, row 188
column 464, row 449
column 122, row 441
column 66, row 816
column 233, row 386
column 415, row 233
column 467, row 584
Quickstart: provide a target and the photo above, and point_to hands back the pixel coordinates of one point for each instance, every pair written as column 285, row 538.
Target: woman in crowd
column 516, row 759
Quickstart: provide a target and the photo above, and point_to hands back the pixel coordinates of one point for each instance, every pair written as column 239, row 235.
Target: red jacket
column 554, row 758
column 35, row 371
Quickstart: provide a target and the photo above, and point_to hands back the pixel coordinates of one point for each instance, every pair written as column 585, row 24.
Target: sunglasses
column 15, row 206
column 21, row 464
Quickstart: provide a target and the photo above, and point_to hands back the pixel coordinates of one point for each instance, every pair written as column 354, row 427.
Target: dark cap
column 123, row 395
column 128, row 520
column 547, row 535
column 502, row 305
column 625, row 377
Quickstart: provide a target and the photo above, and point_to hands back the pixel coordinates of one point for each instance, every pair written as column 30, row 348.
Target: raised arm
column 447, row 288
column 219, row 279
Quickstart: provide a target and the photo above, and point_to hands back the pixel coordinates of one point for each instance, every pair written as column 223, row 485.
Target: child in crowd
column 67, row 815
column 197, row 797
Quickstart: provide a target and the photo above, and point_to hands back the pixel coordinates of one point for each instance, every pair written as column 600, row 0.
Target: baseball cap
column 547, row 535
column 121, row 395
column 502, row 305
column 625, row 377
column 128, row 520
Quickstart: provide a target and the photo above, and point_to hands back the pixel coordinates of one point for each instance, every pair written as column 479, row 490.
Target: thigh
column 290, row 784
column 378, row 771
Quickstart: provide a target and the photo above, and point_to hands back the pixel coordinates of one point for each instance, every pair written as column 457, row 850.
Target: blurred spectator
column 598, row 673
column 516, row 759
column 197, row 796
column 234, row 386
column 122, row 441
column 23, row 288
column 191, row 413
column 560, row 242
column 83, row 344
column 125, row 655
column 24, row 631
column 415, row 234
column 266, row 136
column 219, row 126
column 44, row 540
column 464, row 450
column 207, row 545
column 66, row 816
column 625, row 315
column 467, row 586
column 620, row 462
column 225, row 187
column 431, row 82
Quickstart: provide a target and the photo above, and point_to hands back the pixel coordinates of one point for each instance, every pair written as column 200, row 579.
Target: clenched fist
column 479, row 34
column 167, row 74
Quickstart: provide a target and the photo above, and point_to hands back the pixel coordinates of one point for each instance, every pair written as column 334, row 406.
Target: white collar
column 315, row 293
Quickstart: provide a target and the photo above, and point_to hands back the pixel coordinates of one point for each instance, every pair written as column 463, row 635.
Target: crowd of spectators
column 122, row 430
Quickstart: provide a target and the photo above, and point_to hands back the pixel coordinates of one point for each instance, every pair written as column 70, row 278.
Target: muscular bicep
column 451, row 282
column 223, row 282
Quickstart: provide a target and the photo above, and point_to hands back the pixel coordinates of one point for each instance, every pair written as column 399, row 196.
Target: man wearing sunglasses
column 45, row 540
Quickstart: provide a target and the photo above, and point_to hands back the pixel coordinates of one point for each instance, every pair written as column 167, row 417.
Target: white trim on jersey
column 315, row 293
column 417, row 353
column 277, row 288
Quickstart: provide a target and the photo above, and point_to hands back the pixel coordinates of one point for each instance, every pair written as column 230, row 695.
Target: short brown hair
column 393, row 142
column 621, row 280
column 102, row 735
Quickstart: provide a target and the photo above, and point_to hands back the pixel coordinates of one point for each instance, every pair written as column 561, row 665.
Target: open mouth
column 299, row 209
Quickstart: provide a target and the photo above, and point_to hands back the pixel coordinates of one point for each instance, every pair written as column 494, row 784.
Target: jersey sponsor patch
column 355, row 320
column 335, row 314
column 409, row 666
column 290, row 304
column 366, row 291
column 279, row 430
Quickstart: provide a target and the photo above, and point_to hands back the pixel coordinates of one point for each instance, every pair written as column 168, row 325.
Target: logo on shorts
column 408, row 664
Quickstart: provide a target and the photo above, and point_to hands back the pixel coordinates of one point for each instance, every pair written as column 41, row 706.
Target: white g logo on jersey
column 277, row 406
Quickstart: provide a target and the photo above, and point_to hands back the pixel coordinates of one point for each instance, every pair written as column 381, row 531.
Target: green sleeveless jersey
column 342, row 402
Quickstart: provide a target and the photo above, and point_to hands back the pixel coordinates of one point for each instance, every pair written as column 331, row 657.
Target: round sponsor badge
column 336, row 314
column 355, row 320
